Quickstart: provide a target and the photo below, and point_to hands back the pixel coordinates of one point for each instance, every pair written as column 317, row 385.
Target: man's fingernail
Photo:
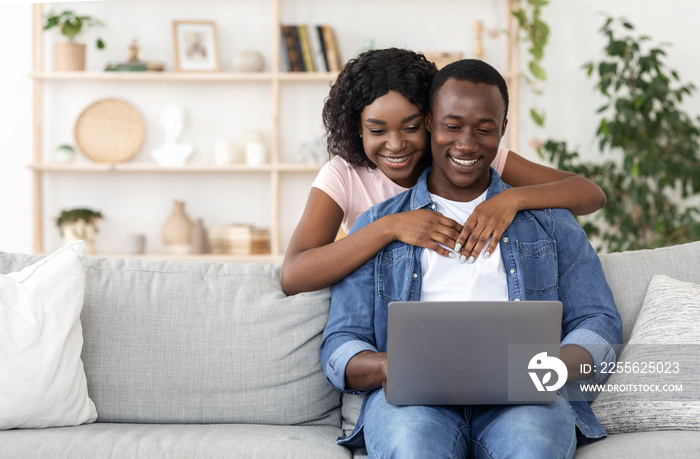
column 457, row 247
column 451, row 255
column 486, row 255
column 471, row 260
column 462, row 258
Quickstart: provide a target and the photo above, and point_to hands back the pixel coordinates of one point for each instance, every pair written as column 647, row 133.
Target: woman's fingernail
column 457, row 247
column 471, row 260
column 486, row 255
column 451, row 255
column 462, row 258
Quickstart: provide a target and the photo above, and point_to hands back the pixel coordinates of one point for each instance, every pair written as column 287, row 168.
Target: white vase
column 249, row 61
column 64, row 154
column 80, row 230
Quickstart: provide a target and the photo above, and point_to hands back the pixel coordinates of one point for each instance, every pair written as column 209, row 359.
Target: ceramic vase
column 200, row 242
column 249, row 61
column 80, row 230
column 177, row 231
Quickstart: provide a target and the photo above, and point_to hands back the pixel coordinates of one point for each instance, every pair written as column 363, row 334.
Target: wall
column 568, row 99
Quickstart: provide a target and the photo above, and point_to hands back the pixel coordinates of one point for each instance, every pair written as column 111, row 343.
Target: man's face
column 466, row 123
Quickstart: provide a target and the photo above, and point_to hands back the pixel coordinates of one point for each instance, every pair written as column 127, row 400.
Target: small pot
column 69, row 56
column 80, row 230
column 249, row 61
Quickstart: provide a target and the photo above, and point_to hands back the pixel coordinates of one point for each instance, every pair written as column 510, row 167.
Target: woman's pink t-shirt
column 356, row 189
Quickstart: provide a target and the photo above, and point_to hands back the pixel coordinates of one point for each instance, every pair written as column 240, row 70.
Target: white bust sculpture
column 172, row 153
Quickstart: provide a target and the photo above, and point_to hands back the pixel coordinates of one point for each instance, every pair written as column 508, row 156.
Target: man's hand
column 366, row 371
column 574, row 357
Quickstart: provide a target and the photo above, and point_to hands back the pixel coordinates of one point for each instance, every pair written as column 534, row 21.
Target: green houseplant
column 71, row 55
column 79, row 224
column 654, row 146
column 535, row 33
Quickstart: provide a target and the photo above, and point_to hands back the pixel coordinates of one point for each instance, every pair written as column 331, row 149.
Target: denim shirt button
column 433, row 206
column 517, row 299
column 415, row 275
column 505, row 239
column 512, row 271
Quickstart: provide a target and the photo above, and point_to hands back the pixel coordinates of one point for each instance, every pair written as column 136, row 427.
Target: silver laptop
column 473, row 353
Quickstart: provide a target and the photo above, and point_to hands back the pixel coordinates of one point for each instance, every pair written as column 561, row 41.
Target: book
column 334, row 61
column 293, row 48
column 315, row 40
column 322, row 45
column 306, row 53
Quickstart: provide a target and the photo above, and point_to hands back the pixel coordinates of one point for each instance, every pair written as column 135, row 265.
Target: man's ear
column 427, row 119
column 503, row 130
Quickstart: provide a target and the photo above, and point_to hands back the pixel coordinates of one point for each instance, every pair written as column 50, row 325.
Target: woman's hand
column 489, row 220
column 426, row 228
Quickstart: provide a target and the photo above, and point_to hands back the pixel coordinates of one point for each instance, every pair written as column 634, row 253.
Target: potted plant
column 70, row 55
column 654, row 143
column 79, row 224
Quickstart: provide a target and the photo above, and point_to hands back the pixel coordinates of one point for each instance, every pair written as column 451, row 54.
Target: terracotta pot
column 68, row 56
column 177, row 230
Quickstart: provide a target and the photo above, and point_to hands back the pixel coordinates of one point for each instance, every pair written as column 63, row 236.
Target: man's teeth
column 463, row 162
column 397, row 160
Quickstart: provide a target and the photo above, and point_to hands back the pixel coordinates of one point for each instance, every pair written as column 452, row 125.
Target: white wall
column 569, row 99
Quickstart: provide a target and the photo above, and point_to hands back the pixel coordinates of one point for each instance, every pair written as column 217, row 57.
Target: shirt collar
column 421, row 197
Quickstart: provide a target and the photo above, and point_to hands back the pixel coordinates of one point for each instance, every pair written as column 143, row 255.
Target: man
column 542, row 255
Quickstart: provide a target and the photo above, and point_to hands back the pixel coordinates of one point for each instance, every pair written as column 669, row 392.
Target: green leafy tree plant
column 657, row 143
column 535, row 32
column 71, row 25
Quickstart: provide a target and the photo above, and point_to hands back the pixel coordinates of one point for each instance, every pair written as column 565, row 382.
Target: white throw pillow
column 663, row 352
column 42, row 379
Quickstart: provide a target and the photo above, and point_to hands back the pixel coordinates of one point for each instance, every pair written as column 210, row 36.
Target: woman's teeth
column 463, row 162
column 397, row 160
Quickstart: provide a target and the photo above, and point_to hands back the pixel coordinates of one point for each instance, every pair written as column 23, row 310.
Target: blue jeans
column 488, row 431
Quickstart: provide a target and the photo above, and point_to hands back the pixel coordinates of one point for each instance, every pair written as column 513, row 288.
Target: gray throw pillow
column 655, row 385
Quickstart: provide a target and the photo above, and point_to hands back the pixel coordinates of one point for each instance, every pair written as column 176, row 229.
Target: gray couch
column 198, row 359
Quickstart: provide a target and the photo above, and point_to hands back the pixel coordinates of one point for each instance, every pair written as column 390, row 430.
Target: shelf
column 221, row 258
column 183, row 76
column 190, row 168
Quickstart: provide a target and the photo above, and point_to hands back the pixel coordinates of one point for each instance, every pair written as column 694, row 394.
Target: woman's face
column 394, row 137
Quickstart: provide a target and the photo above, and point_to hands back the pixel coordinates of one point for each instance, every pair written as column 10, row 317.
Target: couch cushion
column 150, row 441
column 42, row 380
column 629, row 273
column 199, row 342
column 664, row 348
column 667, row 444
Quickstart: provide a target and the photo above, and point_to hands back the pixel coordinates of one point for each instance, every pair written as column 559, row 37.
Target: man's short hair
column 472, row 70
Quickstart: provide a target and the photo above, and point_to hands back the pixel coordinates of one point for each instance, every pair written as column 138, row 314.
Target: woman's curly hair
column 370, row 75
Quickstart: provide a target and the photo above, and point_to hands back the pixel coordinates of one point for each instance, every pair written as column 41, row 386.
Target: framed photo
column 196, row 46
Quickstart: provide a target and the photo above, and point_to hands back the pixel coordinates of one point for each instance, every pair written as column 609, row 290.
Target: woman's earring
column 360, row 135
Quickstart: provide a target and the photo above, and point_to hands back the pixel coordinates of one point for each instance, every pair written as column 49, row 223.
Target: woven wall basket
column 68, row 56
column 110, row 131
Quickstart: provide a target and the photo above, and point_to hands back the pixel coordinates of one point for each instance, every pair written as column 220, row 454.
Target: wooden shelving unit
column 275, row 78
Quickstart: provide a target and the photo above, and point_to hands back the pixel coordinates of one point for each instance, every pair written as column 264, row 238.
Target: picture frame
column 196, row 46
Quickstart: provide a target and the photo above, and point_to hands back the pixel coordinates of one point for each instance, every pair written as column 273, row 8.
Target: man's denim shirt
column 546, row 256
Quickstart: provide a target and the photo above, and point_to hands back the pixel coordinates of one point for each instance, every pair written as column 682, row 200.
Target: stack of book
column 239, row 240
column 310, row 48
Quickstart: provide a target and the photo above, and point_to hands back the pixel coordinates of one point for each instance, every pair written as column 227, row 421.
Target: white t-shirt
column 356, row 189
column 445, row 279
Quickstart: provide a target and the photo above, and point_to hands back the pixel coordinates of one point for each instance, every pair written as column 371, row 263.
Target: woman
column 374, row 117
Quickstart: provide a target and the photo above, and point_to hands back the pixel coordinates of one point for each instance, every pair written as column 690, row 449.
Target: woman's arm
column 314, row 259
column 535, row 187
